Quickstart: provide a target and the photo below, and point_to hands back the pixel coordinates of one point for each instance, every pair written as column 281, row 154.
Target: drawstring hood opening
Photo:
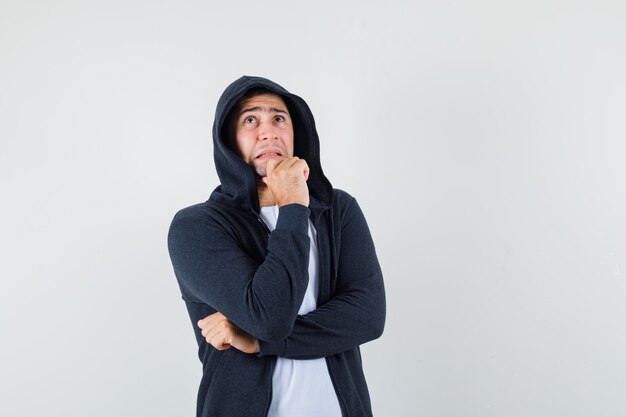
column 238, row 180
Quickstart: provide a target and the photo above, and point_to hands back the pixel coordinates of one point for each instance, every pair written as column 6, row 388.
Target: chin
column 261, row 170
column 261, row 167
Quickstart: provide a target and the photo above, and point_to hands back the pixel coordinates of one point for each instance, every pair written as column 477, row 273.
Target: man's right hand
column 286, row 180
column 221, row 333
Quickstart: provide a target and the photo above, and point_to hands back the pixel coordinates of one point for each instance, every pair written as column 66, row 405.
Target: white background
column 484, row 140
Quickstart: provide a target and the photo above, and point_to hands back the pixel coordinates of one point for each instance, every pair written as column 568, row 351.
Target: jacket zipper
column 342, row 405
column 268, row 403
column 265, row 227
column 269, row 397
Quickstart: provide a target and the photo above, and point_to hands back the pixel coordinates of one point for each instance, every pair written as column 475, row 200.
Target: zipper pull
column 267, row 229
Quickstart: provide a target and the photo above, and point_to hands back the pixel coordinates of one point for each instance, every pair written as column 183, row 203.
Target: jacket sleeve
column 212, row 268
column 355, row 314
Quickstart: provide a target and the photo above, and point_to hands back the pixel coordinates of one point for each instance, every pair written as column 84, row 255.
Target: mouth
column 269, row 155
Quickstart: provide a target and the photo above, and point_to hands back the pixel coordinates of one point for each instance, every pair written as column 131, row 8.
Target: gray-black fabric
column 225, row 259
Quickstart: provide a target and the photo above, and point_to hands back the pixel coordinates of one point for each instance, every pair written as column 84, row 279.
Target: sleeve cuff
column 272, row 349
column 294, row 217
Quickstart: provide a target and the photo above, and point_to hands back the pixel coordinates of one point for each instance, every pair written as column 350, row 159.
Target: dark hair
column 253, row 92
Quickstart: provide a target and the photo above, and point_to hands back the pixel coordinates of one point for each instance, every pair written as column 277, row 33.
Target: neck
column 265, row 196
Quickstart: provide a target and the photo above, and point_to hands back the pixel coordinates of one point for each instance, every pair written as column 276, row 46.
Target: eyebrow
column 263, row 109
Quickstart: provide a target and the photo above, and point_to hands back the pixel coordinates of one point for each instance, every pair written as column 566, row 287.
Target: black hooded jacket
column 226, row 260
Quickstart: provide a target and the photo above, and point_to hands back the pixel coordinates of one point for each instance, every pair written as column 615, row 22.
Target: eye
column 249, row 119
column 279, row 119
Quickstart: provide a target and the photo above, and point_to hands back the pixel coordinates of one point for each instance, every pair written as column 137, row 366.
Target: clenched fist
column 222, row 334
column 286, row 181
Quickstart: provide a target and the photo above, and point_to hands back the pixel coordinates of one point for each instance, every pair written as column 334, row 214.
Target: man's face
column 263, row 131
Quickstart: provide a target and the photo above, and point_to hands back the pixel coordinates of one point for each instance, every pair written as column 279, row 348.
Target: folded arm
column 262, row 300
column 355, row 314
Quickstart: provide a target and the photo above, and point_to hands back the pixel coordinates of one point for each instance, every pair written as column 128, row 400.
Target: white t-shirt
column 302, row 388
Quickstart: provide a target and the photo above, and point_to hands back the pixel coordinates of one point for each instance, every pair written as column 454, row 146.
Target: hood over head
column 238, row 179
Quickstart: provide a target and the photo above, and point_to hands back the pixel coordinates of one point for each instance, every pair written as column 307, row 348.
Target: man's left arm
column 355, row 314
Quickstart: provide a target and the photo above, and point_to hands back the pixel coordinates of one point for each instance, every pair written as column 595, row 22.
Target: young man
column 277, row 269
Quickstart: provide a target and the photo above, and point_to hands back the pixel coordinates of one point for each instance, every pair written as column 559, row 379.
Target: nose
column 267, row 132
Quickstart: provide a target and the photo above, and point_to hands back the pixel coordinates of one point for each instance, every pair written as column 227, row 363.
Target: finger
column 281, row 165
column 297, row 163
column 222, row 346
column 210, row 328
column 271, row 166
column 219, row 345
column 221, row 340
column 209, row 331
column 213, row 337
column 301, row 164
column 289, row 162
column 211, row 322
column 221, row 329
column 214, row 318
column 211, row 317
